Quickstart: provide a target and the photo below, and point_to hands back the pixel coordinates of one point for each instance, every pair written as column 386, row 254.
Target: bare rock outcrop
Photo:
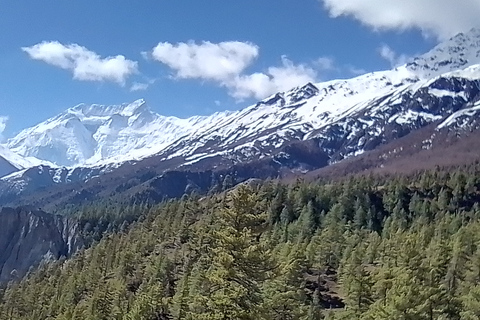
column 29, row 236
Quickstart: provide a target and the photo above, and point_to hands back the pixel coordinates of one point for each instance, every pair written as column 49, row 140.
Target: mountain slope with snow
column 345, row 116
column 130, row 152
column 11, row 162
column 89, row 135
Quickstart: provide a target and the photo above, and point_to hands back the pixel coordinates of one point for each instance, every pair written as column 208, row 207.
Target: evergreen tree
column 285, row 293
column 356, row 282
column 239, row 262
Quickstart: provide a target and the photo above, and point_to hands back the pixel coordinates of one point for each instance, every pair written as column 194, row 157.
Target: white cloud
column 391, row 56
column 142, row 86
column 325, row 63
column 224, row 63
column 138, row 86
column 3, row 125
column 260, row 85
column 441, row 18
column 257, row 85
column 145, row 55
column 86, row 65
column 209, row 61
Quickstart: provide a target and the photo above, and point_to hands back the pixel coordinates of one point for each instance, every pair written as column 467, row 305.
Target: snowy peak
column 96, row 110
column 459, row 52
column 88, row 135
column 70, row 138
column 301, row 93
column 98, row 134
column 289, row 98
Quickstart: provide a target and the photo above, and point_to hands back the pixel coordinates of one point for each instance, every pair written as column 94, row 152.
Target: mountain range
column 92, row 151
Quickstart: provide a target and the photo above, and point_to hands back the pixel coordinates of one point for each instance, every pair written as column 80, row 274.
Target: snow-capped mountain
column 120, row 151
column 95, row 134
column 11, row 162
column 459, row 52
column 346, row 117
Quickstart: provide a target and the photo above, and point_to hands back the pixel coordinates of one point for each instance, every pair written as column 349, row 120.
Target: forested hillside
column 396, row 247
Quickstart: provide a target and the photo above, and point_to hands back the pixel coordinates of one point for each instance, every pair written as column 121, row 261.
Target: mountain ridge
column 131, row 152
column 89, row 135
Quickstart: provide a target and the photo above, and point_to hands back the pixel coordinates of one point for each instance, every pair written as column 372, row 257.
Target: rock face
column 29, row 236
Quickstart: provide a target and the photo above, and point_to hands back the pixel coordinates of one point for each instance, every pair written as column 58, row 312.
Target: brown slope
column 422, row 149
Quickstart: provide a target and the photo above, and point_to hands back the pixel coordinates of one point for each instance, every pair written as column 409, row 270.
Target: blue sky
column 198, row 57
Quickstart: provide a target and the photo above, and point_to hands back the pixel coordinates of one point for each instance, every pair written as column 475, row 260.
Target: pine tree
column 239, row 262
column 179, row 306
column 435, row 266
column 456, row 274
column 471, row 304
column 360, row 216
column 284, row 294
column 328, row 243
column 356, row 281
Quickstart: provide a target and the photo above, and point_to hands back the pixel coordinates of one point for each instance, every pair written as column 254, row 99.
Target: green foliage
column 367, row 248
column 238, row 262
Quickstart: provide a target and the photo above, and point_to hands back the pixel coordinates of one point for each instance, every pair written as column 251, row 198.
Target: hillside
column 364, row 248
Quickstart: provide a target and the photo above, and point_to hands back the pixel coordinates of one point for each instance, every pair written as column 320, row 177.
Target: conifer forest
column 366, row 247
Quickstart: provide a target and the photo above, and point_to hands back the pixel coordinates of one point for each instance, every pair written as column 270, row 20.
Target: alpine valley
column 348, row 199
column 396, row 120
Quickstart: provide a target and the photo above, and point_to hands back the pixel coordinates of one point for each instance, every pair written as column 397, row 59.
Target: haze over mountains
column 324, row 122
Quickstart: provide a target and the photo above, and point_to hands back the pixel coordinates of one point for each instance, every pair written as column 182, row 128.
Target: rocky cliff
column 29, row 236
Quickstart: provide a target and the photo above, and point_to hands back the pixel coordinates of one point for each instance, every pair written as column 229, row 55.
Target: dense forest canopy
column 362, row 248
